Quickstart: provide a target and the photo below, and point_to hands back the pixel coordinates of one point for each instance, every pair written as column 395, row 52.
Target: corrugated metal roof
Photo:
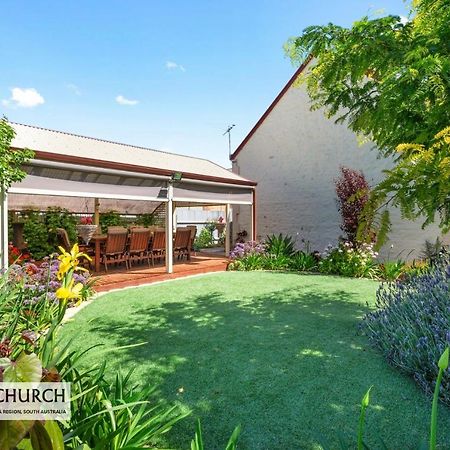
column 51, row 141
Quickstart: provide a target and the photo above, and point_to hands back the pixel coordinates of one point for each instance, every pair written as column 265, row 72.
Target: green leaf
column 443, row 360
column 365, row 400
column 55, row 434
column 232, row 443
column 12, row 432
column 27, row 369
column 40, row 439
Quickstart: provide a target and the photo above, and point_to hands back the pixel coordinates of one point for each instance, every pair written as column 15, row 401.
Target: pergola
column 69, row 167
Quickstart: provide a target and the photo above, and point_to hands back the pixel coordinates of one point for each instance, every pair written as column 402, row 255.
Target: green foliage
column 36, row 235
column 204, row 239
column 60, row 218
column 433, row 445
column 304, row 262
column 410, row 325
column 146, row 220
column 349, row 260
column 110, row 219
column 111, row 415
column 11, row 160
column 40, row 230
column 432, row 250
column 362, row 417
column 388, row 81
column 392, row 270
column 105, row 415
column 420, row 180
column 197, row 442
column 280, row 245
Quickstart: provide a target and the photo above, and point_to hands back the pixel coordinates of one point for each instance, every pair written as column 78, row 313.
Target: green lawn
column 278, row 353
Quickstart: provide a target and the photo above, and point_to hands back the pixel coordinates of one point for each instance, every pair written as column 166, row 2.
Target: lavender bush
column 411, row 325
column 40, row 282
column 243, row 249
column 248, row 255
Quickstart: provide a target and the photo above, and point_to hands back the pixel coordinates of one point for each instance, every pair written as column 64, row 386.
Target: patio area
column 119, row 278
column 91, row 178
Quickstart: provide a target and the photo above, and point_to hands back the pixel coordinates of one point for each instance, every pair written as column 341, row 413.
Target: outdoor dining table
column 97, row 240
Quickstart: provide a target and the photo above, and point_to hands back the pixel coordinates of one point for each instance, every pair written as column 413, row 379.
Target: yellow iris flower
column 70, row 260
column 71, row 291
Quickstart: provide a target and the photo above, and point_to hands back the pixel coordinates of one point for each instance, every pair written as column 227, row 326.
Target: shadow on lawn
column 289, row 366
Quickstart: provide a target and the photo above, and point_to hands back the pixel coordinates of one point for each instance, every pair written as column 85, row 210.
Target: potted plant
column 220, row 225
column 86, row 229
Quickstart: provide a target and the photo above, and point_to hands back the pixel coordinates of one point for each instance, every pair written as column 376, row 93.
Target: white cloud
column 171, row 65
column 24, row 98
column 121, row 100
column 74, row 88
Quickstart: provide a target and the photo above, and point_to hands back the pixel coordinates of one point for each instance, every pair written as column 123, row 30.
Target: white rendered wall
column 295, row 156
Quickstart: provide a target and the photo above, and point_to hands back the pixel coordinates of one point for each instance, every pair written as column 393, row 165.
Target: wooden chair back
column 193, row 229
column 159, row 240
column 115, row 229
column 139, row 238
column 182, row 238
column 116, row 242
column 63, row 239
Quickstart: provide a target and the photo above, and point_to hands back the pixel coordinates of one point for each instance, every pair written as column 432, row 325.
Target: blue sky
column 170, row 75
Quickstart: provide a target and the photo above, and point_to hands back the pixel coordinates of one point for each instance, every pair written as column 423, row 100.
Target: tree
column 11, row 161
column 352, row 192
column 389, row 81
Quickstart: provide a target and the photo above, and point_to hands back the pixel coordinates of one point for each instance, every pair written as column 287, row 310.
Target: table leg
column 97, row 255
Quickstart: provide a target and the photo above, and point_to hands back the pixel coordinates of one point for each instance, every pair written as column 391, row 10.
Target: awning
column 67, row 180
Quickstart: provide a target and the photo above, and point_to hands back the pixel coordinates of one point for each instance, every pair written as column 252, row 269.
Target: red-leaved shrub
column 352, row 192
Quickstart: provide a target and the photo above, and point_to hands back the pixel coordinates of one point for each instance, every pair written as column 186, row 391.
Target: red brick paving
column 141, row 274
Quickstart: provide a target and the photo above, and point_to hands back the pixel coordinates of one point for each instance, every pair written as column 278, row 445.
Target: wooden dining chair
column 158, row 246
column 138, row 247
column 182, row 243
column 117, row 228
column 193, row 229
column 64, row 242
column 63, row 239
column 115, row 250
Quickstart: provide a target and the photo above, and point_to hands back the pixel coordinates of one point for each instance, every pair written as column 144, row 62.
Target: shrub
column 411, row 325
column 107, row 415
column 204, row 239
column 352, row 192
column 304, row 262
column 40, row 282
column 392, row 270
column 110, row 219
column 36, row 235
column 146, row 220
column 280, row 245
column 349, row 260
column 243, row 249
column 40, row 230
column 60, row 218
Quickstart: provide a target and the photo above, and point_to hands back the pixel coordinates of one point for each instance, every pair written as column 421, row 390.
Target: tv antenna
column 228, row 131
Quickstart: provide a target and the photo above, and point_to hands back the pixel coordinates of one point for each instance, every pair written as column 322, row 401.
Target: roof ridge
column 112, row 142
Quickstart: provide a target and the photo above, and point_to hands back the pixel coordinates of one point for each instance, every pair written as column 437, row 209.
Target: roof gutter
column 119, row 172
column 98, row 163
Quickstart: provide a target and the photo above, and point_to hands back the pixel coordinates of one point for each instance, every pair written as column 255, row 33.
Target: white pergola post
column 4, row 228
column 228, row 218
column 175, row 221
column 169, row 229
column 253, row 218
